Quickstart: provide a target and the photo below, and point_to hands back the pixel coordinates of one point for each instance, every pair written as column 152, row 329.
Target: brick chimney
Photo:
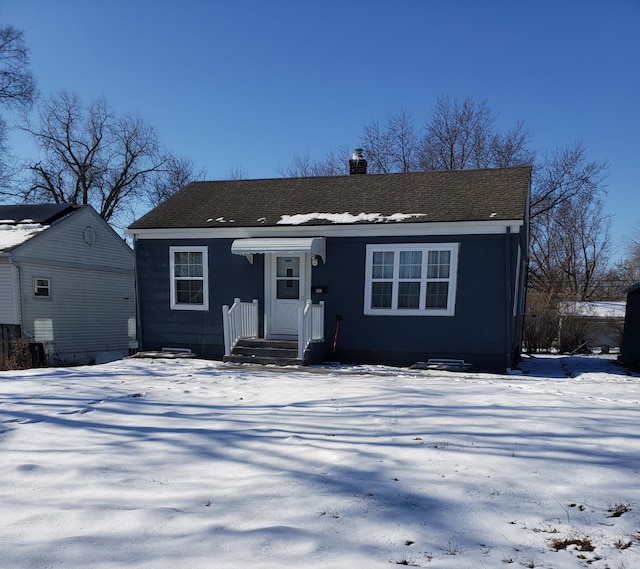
column 357, row 163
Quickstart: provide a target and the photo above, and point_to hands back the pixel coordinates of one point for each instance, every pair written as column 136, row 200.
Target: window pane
column 438, row 264
column 437, row 295
column 188, row 264
column 41, row 287
column 195, row 264
column 410, row 264
column 288, row 267
column 189, row 292
column 382, row 265
column 381, row 294
column 288, row 289
column 181, row 261
column 409, row 295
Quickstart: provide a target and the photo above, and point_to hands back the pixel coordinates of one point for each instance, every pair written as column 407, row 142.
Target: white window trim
column 425, row 248
column 205, row 278
column 42, row 296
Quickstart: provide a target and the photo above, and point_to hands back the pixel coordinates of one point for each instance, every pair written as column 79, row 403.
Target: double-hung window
column 41, row 288
column 189, row 278
column 411, row 279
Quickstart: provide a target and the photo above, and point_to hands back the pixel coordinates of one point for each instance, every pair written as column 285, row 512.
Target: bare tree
column 458, row 135
column 462, row 135
column 542, row 322
column 91, row 156
column 511, row 148
column 175, row 173
column 564, row 174
column 393, row 148
column 570, row 249
column 302, row 166
column 633, row 249
column 17, row 84
column 7, row 162
column 17, row 92
column 626, row 271
column 236, row 173
column 570, row 242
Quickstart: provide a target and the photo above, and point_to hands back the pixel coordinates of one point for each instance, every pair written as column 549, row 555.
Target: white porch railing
column 239, row 321
column 310, row 326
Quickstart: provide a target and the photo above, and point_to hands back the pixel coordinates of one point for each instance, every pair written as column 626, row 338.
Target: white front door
column 287, row 279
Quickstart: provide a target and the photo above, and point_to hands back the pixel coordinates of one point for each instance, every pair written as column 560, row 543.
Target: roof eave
column 490, row 227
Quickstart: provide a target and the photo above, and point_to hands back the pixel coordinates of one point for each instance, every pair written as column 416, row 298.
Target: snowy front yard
column 194, row 464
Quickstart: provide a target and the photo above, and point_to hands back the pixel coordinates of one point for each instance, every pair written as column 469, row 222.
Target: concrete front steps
column 264, row 352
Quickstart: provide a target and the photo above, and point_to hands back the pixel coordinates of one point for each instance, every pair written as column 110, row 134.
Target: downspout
column 508, row 301
column 19, row 293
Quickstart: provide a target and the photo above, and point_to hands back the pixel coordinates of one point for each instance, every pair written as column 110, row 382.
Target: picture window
column 411, row 279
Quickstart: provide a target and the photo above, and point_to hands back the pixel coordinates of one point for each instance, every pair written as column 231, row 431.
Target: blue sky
column 249, row 83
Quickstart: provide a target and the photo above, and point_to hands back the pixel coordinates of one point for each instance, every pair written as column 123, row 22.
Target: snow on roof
column 597, row 309
column 346, row 217
column 12, row 234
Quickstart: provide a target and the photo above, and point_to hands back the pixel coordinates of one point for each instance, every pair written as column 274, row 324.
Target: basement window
column 41, row 288
column 413, row 279
column 189, row 278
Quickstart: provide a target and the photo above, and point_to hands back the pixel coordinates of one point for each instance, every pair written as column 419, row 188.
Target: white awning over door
column 280, row 245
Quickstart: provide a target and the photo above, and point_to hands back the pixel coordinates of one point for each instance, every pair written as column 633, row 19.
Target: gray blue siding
column 477, row 332
column 484, row 331
column 231, row 276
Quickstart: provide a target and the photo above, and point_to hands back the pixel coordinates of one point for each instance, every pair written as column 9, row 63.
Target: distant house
column 594, row 324
column 630, row 354
column 66, row 282
column 386, row 268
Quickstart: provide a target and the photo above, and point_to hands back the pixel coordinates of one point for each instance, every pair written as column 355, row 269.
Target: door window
column 288, row 278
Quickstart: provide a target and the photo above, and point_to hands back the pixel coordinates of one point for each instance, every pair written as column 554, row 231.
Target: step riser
column 256, row 343
column 265, row 352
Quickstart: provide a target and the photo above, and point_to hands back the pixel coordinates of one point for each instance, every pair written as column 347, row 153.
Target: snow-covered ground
column 153, row 463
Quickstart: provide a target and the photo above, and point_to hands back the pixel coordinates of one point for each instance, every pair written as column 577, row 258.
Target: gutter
column 18, row 289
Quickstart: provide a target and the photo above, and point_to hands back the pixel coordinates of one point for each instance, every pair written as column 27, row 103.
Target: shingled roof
column 444, row 196
column 34, row 213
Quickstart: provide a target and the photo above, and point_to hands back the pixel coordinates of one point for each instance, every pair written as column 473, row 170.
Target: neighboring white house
column 599, row 323
column 66, row 279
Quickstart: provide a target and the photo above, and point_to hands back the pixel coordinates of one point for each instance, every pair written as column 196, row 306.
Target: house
column 378, row 268
column 591, row 324
column 630, row 353
column 66, row 282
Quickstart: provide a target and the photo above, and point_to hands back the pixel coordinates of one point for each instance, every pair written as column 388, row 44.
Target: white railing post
column 300, row 333
column 254, row 319
column 310, row 326
column 304, row 329
column 239, row 321
column 317, row 331
column 225, row 329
